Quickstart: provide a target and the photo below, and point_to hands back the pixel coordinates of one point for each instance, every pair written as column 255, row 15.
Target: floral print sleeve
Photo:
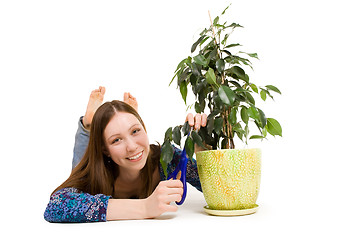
column 72, row 205
column 192, row 175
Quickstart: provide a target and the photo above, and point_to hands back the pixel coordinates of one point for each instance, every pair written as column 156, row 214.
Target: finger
column 171, row 208
column 126, row 96
column 131, row 96
column 203, row 119
column 173, row 198
column 197, row 121
column 190, row 119
column 102, row 89
column 175, row 191
column 173, row 183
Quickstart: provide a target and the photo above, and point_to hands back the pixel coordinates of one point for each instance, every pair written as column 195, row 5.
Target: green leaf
column 273, row 88
column 210, row 77
column 256, row 137
column 173, row 78
column 197, row 139
column 254, row 88
column 244, row 115
column 166, row 156
column 181, row 64
column 176, row 135
column 253, row 113
column 218, row 124
column 199, row 108
column 204, row 40
column 214, row 113
column 240, row 73
column 266, row 92
column 189, row 147
column 164, row 167
column 195, row 69
column 253, row 55
column 226, row 95
column 183, row 75
column 180, row 68
column 201, row 60
column 250, row 98
column 220, row 65
column 264, row 132
column 263, row 119
column 209, row 126
column 238, row 129
column 216, row 20
column 217, row 102
column 193, row 47
column 183, row 90
column 185, row 128
column 227, row 52
column 273, row 127
column 237, row 85
column 198, row 86
column 223, row 12
column 232, row 115
column 168, row 134
column 224, row 143
column 234, row 25
column 233, row 45
column 263, row 95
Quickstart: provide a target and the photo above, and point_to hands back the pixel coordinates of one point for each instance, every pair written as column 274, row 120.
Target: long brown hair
column 96, row 172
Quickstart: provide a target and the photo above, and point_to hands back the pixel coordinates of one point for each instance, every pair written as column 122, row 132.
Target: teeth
column 135, row 157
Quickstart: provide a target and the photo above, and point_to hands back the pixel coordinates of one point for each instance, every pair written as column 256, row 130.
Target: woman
column 119, row 175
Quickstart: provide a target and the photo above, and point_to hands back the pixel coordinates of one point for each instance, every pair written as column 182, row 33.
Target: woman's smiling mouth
column 136, row 157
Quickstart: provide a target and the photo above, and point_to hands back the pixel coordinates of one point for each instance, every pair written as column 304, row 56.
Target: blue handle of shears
column 181, row 167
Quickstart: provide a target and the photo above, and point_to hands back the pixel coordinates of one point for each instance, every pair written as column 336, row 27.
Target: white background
column 53, row 53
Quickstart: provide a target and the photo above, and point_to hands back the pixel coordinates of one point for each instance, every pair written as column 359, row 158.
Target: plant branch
column 217, row 46
column 213, row 30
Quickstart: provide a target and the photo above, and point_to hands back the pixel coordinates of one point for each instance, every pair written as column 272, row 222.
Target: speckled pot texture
column 230, row 178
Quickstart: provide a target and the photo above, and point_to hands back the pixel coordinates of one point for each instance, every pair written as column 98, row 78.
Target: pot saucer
column 240, row 212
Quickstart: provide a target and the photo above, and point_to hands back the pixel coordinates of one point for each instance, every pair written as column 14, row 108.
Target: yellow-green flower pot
column 230, row 178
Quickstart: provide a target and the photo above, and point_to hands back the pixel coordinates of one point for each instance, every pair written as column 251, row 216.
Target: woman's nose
column 131, row 145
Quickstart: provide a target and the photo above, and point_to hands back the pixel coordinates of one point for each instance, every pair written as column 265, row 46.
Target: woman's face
column 127, row 142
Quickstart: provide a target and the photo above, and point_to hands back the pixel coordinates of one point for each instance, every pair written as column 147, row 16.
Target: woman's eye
column 116, row 140
column 136, row 131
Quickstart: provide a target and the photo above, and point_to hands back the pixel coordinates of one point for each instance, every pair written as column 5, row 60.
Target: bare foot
column 95, row 100
column 131, row 100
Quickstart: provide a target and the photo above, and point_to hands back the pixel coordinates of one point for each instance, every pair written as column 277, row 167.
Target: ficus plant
column 215, row 73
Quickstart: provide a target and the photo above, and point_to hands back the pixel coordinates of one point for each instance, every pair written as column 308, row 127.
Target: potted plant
column 215, row 73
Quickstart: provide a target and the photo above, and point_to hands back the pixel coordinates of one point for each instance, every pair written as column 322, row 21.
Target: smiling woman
column 126, row 142
column 119, row 175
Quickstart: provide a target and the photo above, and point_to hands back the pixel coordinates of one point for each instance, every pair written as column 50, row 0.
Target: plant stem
column 229, row 131
column 225, row 129
column 216, row 44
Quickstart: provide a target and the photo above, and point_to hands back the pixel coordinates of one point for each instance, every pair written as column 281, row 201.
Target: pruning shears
column 180, row 173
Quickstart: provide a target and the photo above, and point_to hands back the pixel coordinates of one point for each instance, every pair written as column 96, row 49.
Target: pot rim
column 225, row 150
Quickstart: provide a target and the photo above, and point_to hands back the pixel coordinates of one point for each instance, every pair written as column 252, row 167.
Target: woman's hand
column 131, row 100
column 197, row 121
column 159, row 201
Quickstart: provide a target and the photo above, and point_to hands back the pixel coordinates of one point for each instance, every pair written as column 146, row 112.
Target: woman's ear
column 106, row 152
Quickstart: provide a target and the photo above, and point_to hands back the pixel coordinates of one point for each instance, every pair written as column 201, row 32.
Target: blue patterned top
column 73, row 205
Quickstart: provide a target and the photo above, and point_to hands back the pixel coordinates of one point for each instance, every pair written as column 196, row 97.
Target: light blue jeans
column 81, row 142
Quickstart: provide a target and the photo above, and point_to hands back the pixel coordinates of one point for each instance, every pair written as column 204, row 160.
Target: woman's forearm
column 153, row 206
column 121, row 209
